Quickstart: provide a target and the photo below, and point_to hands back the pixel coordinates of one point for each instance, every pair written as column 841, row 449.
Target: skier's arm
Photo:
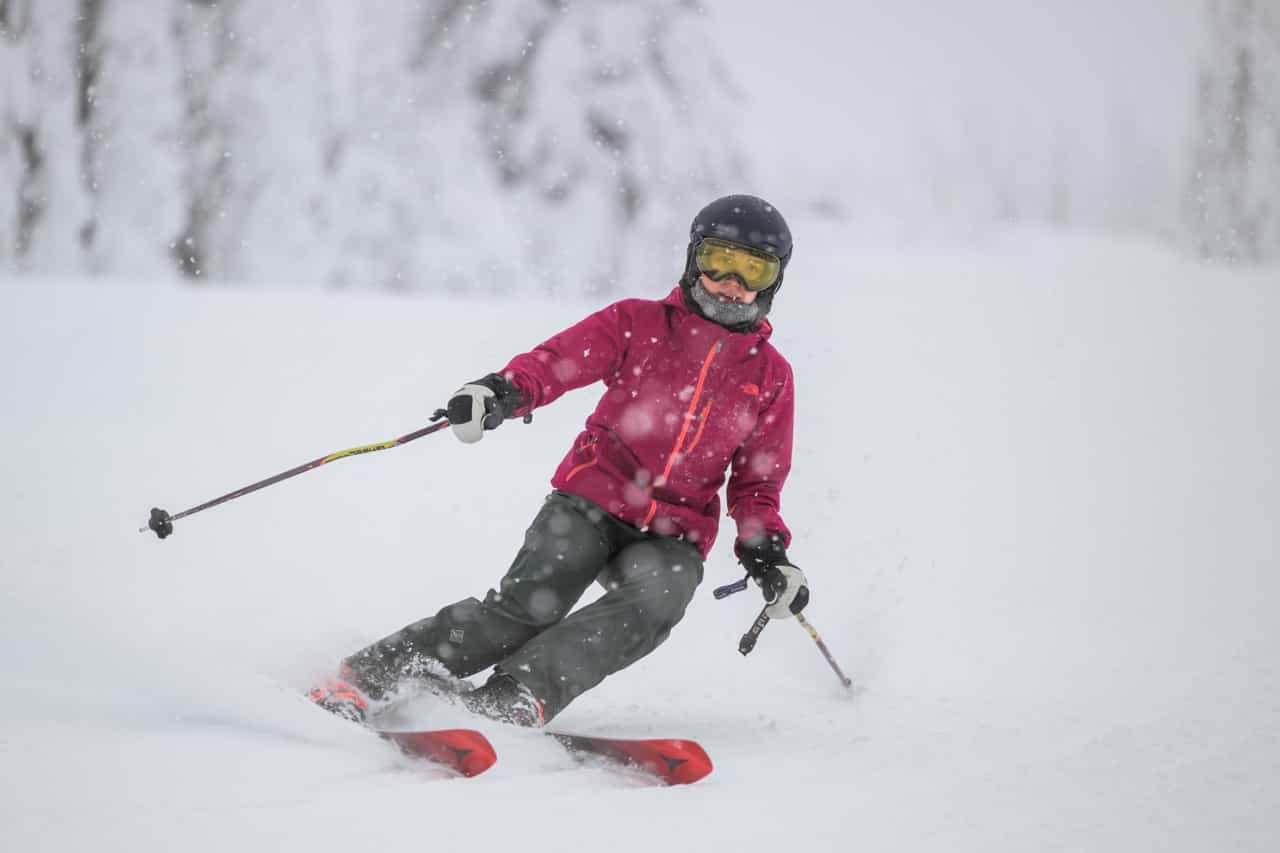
column 760, row 469
column 761, row 465
column 580, row 355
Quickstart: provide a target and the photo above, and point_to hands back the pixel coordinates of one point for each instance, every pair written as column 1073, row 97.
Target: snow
column 1035, row 492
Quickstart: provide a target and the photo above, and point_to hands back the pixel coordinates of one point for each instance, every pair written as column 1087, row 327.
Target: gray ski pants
column 525, row 627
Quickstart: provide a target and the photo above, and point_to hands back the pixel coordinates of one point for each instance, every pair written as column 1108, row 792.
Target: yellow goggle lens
column 721, row 259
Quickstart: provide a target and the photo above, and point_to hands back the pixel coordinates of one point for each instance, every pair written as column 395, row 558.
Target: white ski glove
column 471, row 410
column 481, row 405
column 785, row 588
column 794, row 593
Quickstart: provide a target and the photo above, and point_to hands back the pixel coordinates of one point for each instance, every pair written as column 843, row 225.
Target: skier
column 693, row 390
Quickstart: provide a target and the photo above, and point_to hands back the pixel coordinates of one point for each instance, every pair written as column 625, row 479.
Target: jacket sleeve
column 580, row 355
column 761, row 465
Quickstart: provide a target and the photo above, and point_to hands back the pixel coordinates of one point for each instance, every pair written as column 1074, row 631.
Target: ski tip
column 465, row 750
column 478, row 755
column 669, row 760
column 478, row 760
column 686, row 761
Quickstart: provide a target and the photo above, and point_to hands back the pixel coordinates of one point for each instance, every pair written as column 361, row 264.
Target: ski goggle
column 720, row 259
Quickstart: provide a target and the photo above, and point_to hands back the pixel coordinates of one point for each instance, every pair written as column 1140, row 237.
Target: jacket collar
column 714, row 331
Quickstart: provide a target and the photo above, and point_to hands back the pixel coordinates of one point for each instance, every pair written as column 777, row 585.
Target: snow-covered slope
column 1036, row 492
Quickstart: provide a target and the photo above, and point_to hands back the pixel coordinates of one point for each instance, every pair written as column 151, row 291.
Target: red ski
column 465, row 750
column 674, row 761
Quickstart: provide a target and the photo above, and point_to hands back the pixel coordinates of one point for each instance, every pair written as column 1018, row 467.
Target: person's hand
column 784, row 586
column 481, row 405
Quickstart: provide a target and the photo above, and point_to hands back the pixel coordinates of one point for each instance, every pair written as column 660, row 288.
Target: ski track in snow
column 1035, row 490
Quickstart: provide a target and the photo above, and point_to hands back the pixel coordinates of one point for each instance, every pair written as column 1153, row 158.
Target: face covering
column 726, row 312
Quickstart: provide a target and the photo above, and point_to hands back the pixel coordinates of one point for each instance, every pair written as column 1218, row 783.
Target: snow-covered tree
column 44, row 208
column 1234, row 202
column 441, row 144
column 133, row 136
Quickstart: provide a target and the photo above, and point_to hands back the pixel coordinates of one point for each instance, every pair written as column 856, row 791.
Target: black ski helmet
column 748, row 221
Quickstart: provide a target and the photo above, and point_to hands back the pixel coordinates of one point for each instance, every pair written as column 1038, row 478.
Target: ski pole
column 161, row 522
column 729, row 589
column 748, row 641
column 826, row 653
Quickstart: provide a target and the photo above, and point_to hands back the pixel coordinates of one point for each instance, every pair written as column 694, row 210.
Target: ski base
column 671, row 760
column 464, row 750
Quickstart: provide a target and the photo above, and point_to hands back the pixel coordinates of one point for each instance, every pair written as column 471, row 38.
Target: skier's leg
column 649, row 583
column 564, row 550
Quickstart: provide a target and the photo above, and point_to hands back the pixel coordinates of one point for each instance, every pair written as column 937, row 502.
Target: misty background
column 512, row 145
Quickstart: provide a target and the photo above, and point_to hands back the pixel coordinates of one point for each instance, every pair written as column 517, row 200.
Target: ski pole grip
column 748, row 641
column 729, row 589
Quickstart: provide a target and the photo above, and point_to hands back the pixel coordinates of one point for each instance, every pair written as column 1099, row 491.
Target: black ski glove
column 481, row 405
column 784, row 586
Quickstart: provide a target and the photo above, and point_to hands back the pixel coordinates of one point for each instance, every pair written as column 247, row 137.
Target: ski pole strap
column 748, row 641
column 822, row 647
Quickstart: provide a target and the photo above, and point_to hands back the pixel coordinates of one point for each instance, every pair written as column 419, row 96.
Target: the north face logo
column 455, row 635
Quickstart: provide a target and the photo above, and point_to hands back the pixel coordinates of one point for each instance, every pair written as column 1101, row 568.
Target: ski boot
column 341, row 698
column 506, row 700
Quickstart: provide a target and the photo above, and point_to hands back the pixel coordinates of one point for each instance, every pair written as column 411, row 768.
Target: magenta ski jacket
column 687, row 401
